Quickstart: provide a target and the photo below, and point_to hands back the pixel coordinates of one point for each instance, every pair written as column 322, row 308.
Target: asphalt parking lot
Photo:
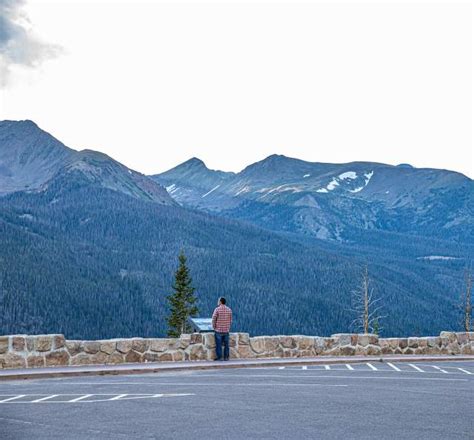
column 368, row 400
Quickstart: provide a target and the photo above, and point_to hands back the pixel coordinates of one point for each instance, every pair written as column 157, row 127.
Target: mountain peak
column 194, row 162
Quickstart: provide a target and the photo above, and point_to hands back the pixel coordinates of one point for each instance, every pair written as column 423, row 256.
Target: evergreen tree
column 182, row 301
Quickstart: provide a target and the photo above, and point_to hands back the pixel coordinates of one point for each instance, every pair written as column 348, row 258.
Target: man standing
column 221, row 322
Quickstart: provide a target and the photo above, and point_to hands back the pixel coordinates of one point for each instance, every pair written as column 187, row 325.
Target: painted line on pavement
column 78, row 399
column 371, row 366
column 12, row 398
column 52, row 396
column 393, row 366
column 416, row 368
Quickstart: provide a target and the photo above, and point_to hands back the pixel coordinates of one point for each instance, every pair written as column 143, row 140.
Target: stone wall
column 20, row 351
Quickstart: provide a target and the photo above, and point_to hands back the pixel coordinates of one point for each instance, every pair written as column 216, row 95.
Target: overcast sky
column 153, row 84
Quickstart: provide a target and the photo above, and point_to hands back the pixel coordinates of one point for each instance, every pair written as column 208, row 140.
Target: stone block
column 244, row 351
column 140, row 345
column 451, row 336
column 184, row 341
column 413, row 342
column 244, row 339
column 319, row 345
column 73, row 347
column 209, row 340
column 80, row 359
column 257, row 344
column 196, row 352
column 462, row 338
column 304, row 342
column 287, row 341
column 13, row 360
column 59, row 341
column 18, row 343
column 233, row 340
column 177, row 355
column 422, row 342
column 373, row 339
column 343, row 338
column 124, row 345
column 151, row 357
column 162, row 344
column 393, row 342
column 44, row 343
column 467, row 349
column 372, row 350
column 196, row 338
column 56, row 358
column 403, row 343
column 471, row 336
column 363, row 340
column 35, row 361
column 347, row 350
column 91, row 347
column 453, row 348
column 30, row 343
column 115, row 358
column 432, row 341
column 165, row 357
column 108, row 347
column 133, row 356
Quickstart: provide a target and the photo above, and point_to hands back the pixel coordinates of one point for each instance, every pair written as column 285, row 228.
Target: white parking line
column 327, row 367
column 393, row 366
column 52, row 396
column 371, row 366
column 349, row 367
column 118, row 397
column 12, row 398
column 440, row 369
column 78, row 399
column 464, row 371
column 304, row 367
column 416, row 368
column 281, row 368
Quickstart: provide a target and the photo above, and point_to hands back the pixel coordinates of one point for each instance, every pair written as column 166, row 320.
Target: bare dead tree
column 466, row 301
column 366, row 306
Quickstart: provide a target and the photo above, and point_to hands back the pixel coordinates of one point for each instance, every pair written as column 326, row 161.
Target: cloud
column 18, row 45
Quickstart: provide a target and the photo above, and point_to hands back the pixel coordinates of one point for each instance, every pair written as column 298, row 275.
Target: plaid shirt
column 222, row 319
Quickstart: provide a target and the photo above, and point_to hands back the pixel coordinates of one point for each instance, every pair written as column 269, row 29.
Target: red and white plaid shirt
column 222, row 319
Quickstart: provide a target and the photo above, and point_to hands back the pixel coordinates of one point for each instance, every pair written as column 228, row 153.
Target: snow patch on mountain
column 437, row 257
column 171, row 189
column 242, row 190
column 209, row 192
column 332, row 184
column 348, row 175
column 367, row 177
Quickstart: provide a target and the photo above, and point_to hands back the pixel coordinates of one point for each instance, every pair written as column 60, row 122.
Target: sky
column 153, row 83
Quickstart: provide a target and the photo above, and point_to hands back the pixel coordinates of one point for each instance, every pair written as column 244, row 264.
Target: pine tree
column 182, row 301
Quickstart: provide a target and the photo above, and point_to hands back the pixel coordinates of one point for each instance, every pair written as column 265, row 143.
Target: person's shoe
column 226, row 359
column 218, row 359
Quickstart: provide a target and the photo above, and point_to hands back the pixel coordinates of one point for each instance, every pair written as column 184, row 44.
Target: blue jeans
column 222, row 338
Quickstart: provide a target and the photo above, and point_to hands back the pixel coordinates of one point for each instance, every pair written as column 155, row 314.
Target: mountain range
column 89, row 246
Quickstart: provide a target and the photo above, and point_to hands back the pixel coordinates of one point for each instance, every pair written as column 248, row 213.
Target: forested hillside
column 94, row 263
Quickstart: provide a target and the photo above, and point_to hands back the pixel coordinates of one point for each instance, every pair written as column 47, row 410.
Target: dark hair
column 222, row 300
